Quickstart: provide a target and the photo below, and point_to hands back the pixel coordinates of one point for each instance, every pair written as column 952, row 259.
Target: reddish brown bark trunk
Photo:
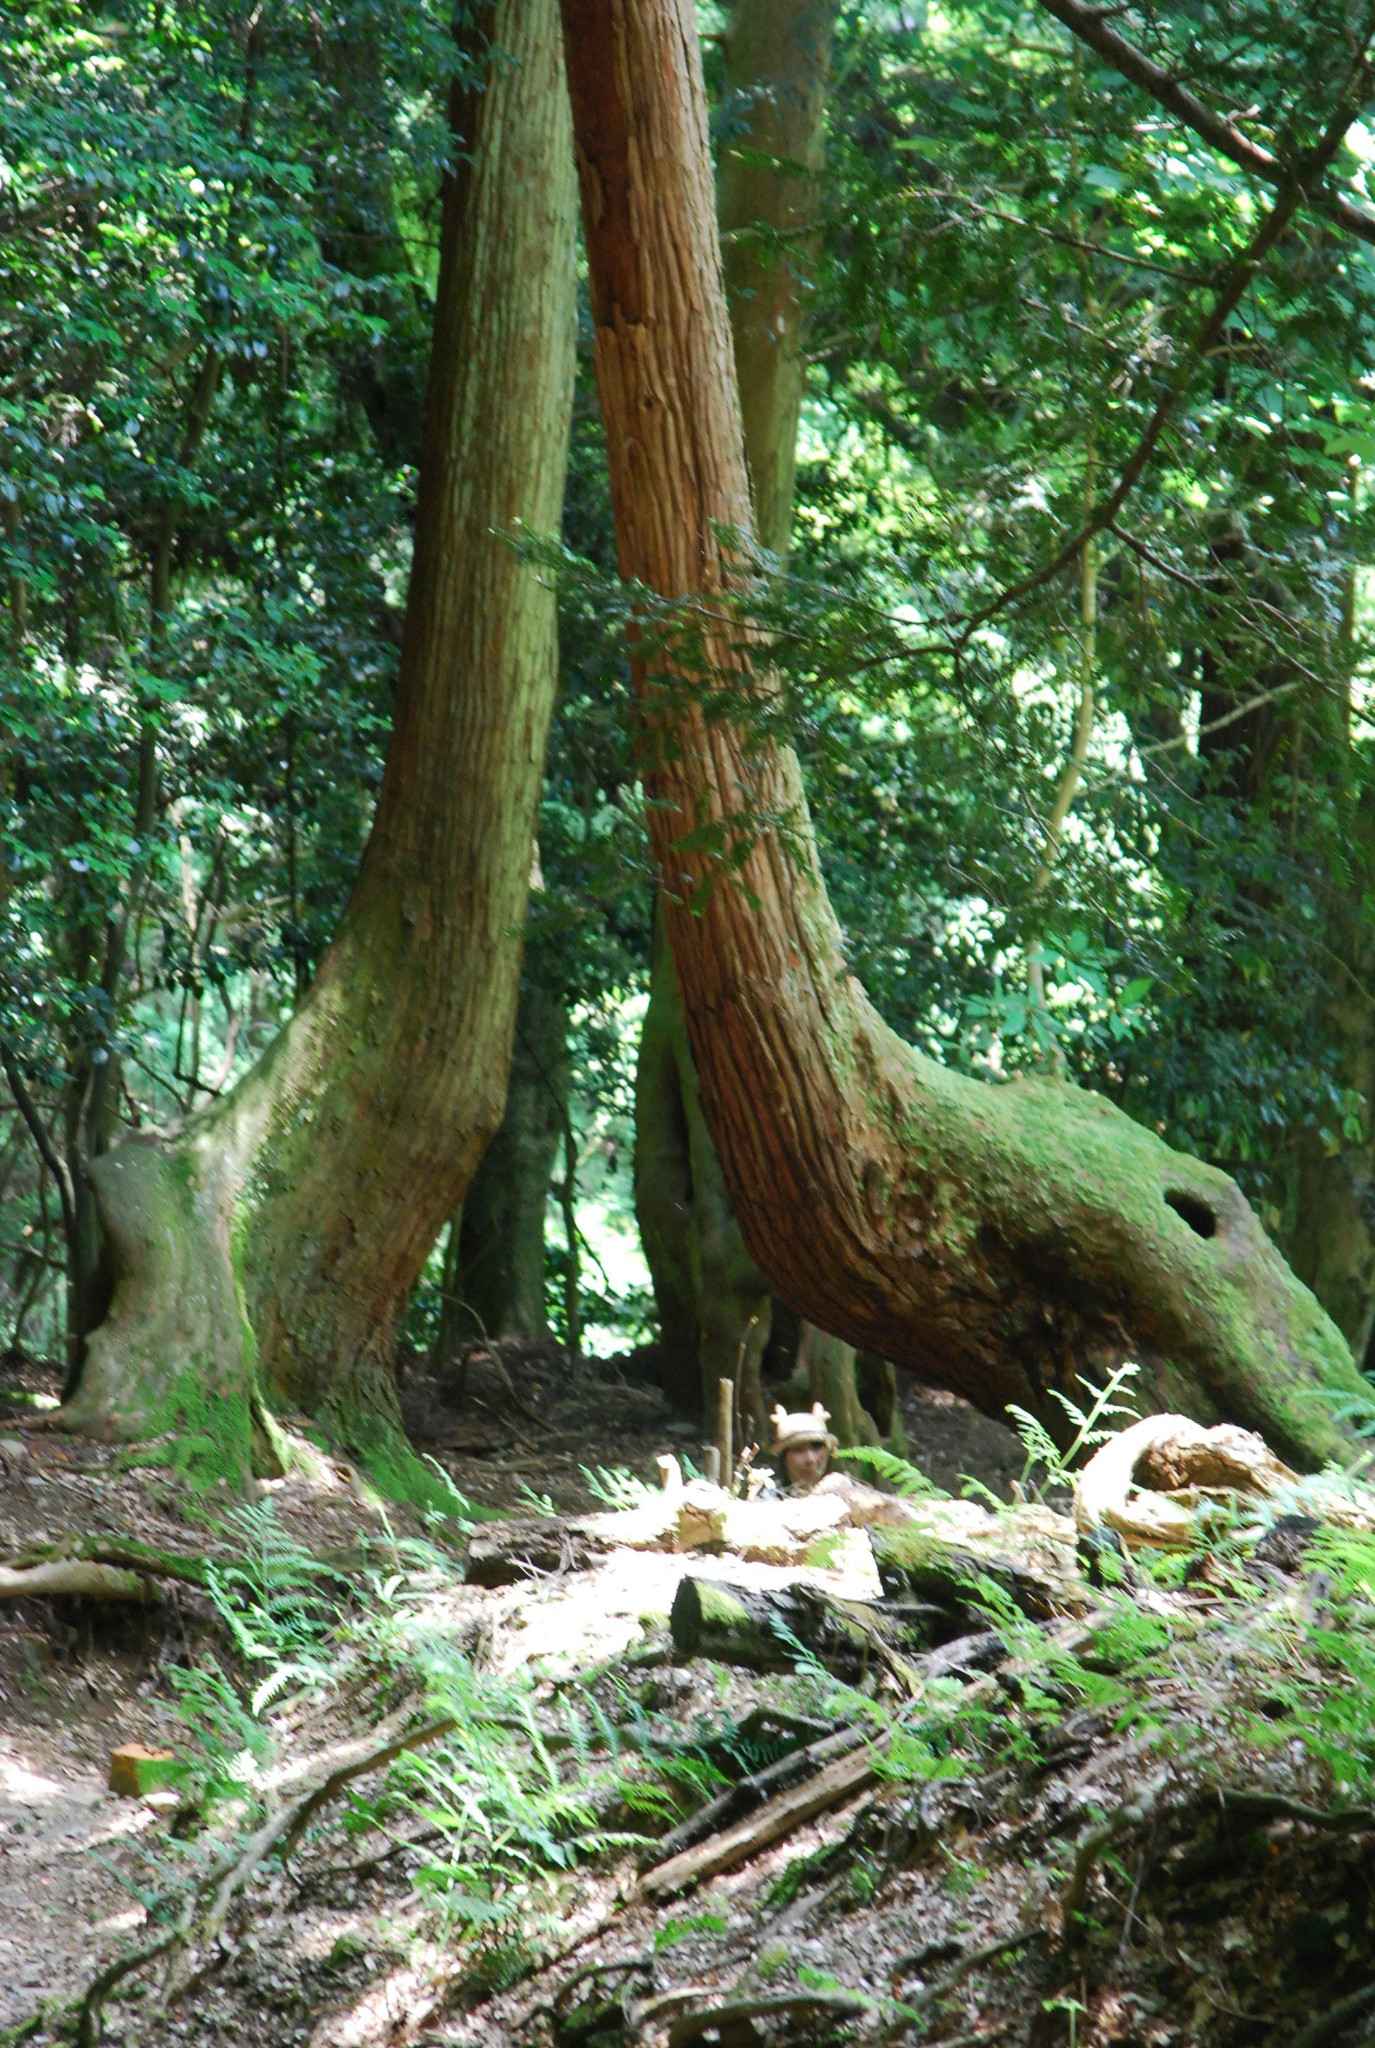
column 997, row 1238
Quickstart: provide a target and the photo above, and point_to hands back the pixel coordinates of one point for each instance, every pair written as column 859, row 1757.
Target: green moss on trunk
column 267, row 1248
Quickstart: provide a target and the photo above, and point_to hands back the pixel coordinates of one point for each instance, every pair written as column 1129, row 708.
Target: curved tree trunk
column 999, row 1239
column 276, row 1237
column 711, row 1296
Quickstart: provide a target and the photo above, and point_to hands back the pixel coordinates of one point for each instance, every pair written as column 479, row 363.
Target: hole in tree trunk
column 1201, row 1219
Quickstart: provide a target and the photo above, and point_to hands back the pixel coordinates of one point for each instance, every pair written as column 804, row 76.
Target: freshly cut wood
column 135, row 1770
column 1131, row 1484
column 771, row 1529
column 839, row 1781
column 929, row 1549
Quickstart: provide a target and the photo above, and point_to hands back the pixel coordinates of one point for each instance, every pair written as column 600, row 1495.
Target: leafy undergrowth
column 1153, row 1826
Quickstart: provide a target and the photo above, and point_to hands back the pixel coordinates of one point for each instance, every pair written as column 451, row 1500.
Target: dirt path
column 340, row 1952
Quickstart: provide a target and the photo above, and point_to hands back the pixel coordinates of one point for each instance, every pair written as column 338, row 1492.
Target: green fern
column 1091, row 1428
column 617, row 1487
column 279, row 1603
column 900, row 1474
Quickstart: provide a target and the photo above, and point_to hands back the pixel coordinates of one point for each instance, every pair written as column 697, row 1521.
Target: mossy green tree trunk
column 270, row 1243
column 1002, row 1240
column 714, row 1306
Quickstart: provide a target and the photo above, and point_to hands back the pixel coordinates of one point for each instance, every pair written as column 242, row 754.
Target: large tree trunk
column 499, row 1278
column 768, row 185
column 278, row 1235
column 999, row 1239
column 713, row 1303
column 1332, row 1242
column 712, row 1299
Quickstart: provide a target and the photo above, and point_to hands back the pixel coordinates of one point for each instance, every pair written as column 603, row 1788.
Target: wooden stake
column 725, row 1418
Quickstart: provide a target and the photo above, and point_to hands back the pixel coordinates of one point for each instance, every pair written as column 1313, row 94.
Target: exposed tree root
column 715, row 2019
column 132, row 1560
column 922, row 2002
column 1140, row 1806
column 89, row 1581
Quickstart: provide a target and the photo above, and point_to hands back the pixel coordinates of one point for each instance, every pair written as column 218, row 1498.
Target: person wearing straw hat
column 805, row 1444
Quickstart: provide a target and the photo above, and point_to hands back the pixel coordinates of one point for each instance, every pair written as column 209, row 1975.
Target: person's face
column 806, row 1463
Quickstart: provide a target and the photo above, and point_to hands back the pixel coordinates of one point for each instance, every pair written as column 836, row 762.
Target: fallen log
column 839, row 1781
column 748, row 1793
column 1147, row 1482
column 763, row 1630
column 916, row 1561
column 714, row 2022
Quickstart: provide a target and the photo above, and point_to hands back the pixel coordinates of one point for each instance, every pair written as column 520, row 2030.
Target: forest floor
column 1055, row 1883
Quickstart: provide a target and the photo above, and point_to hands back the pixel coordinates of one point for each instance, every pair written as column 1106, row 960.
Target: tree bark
column 710, row 1295
column 713, row 1302
column 999, row 1239
column 275, row 1238
column 768, row 182
column 500, row 1277
column 664, row 1189
column 759, row 1628
column 1332, row 1243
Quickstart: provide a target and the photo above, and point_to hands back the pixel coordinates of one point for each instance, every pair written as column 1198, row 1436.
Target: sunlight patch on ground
column 122, row 1923
column 29, row 1788
column 399, row 2000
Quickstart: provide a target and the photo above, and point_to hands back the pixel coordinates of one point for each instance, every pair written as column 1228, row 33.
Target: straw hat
column 790, row 1432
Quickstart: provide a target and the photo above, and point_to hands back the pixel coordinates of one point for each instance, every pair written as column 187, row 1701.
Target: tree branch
column 1091, row 25
column 47, row 1152
column 1236, row 282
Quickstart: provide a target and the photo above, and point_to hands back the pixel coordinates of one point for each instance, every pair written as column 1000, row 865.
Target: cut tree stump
column 136, row 1771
